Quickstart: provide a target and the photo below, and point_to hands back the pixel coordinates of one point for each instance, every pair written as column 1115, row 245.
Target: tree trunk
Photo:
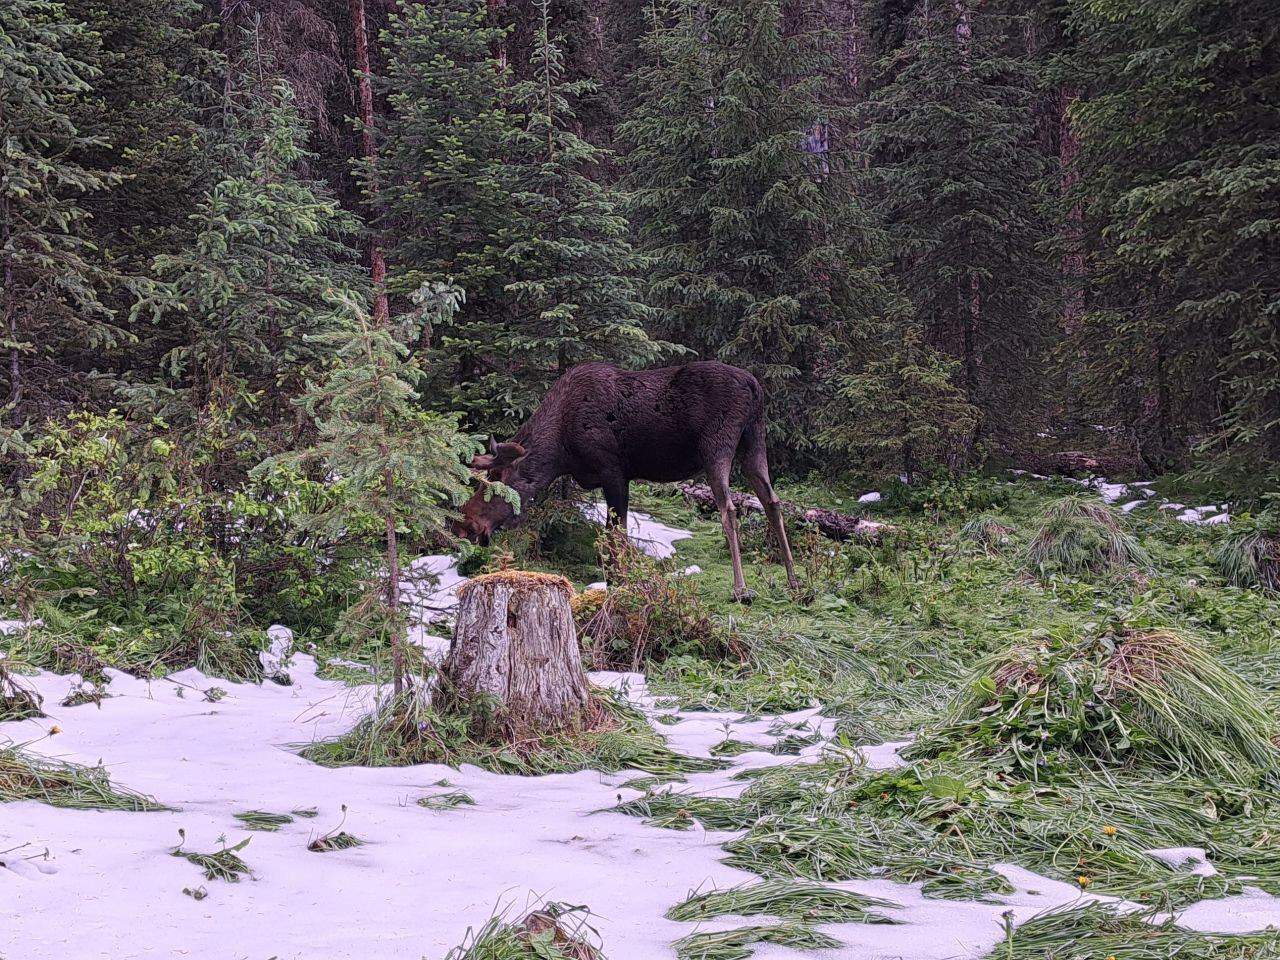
column 377, row 261
column 515, row 646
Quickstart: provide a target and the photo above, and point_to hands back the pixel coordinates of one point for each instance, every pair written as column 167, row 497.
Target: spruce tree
column 956, row 169
column 241, row 305
column 761, row 253
column 1179, row 181
column 395, row 470
column 52, row 318
column 483, row 183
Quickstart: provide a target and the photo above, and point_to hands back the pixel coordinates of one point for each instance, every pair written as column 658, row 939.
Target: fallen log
column 837, row 526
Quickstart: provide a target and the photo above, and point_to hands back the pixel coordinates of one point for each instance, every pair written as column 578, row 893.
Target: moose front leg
column 617, row 497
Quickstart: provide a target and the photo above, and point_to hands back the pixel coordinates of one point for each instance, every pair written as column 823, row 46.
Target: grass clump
column 1122, row 697
column 555, row 931
column 785, row 899
column 1080, row 536
column 988, row 533
column 225, row 864
column 407, row 730
column 17, row 702
column 648, row 614
column 263, row 820
column 450, row 800
column 1249, row 555
column 60, row 784
column 1097, row 930
column 737, row 944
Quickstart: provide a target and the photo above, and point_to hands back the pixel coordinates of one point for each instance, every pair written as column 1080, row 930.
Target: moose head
column 480, row 516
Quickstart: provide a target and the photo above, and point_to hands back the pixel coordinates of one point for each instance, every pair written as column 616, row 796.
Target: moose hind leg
column 755, row 466
column 718, row 476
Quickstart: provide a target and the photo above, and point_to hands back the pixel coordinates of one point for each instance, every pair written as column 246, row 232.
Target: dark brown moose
column 605, row 427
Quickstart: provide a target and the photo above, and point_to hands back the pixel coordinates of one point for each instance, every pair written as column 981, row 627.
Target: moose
column 604, row 427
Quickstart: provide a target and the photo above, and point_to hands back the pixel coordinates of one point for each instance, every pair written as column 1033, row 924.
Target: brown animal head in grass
column 481, row 516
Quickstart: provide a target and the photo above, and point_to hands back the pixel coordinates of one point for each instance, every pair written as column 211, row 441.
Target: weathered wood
column 837, row 526
column 515, row 646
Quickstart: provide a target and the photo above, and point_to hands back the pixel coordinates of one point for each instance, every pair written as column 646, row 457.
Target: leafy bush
column 129, row 557
column 947, row 495
column 988, row 533
column 1082, row 536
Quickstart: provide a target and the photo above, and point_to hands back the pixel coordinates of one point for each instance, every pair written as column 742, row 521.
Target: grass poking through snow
column 24, row 776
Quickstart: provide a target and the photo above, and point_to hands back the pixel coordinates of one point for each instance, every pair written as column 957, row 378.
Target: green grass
column 785, row 899
column 406, row 731
column 225, row 864
column 25, row 776
column 1082, row 535
column 1097, row 932
column 737, row 944
column 450, row 800
column 263, row 820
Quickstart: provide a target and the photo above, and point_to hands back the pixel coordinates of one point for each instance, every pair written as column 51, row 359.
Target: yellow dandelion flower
column 1083, row 880
column 55, row 730
column 1109, row 830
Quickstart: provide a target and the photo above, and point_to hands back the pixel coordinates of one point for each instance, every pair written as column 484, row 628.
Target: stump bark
column 515, row 647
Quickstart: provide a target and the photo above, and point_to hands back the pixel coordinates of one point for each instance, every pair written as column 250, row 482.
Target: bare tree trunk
column 377, row 261
column 1073, row 258
column 515, row 648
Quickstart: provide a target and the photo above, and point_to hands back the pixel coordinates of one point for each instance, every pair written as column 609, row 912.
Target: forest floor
column 881, row 796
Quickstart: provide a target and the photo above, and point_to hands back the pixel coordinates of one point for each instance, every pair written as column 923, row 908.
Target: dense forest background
column 941, row 233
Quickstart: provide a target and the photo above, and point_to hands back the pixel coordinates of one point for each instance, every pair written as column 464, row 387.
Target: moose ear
column 493, row 445
column 507, row 455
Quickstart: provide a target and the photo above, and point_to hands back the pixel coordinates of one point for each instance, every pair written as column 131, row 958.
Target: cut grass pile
column 449, row 800
column 225, row 864
column 555, row 931
column 1118, row 697
column 945, row 823
column 1082, row 535
column 17, row 701
column 737, row 944
column 1096, row 930
column 407, row 731
column 784, row 899
column 24, row 776
column 262, row 820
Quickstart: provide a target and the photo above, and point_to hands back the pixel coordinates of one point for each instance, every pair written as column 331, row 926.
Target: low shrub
column 649, row 614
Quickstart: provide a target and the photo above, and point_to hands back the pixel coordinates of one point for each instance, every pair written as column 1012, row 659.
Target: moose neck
column 542, row 465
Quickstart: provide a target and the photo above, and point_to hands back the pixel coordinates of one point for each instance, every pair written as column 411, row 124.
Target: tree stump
column 515, row 649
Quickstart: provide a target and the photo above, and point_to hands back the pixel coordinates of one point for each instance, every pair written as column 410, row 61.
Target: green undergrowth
column 1096, row 930
column 407, row 731
column 26, row 776
column 554, row 931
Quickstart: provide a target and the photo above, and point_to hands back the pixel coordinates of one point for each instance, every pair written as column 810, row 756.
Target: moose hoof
column 744, row 596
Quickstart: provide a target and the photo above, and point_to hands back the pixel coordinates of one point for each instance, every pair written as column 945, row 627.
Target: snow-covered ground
column 95, row 884
column 102, row 884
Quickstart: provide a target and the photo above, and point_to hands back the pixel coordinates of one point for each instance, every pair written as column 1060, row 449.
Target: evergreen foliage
column 502, row 202
column 1179, row 178
column 53, row 318
column 955, row 168
column 761, row 253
